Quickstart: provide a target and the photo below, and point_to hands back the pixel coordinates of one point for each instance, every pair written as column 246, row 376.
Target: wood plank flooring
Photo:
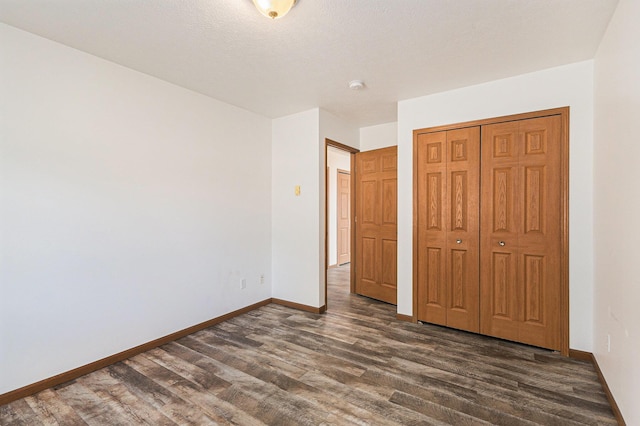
column 354, row 365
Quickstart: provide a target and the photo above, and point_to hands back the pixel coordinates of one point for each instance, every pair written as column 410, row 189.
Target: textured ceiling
column 401, row 48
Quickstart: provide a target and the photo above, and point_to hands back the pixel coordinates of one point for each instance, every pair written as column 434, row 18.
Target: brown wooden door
column 344, row 217
column 521, row 271
column 376, row 224
column 447, row 167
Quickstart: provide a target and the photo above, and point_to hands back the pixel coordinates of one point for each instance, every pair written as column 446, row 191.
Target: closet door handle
column 501, row 243
column 458, row 241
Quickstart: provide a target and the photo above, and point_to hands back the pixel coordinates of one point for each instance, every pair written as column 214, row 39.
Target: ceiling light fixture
column 356, row 85
column 274, row 9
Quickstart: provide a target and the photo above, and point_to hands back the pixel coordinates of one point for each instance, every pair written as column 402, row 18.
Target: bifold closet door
column 448, row 187
column 521, row 227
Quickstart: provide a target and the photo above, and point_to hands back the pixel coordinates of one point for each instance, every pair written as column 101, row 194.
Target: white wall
column 295, row 241
column 570, row 85
column 337, row 159
column 617, row 208
column 298, row 158
column 379, row 136
column 129, row 208
column 338, row 130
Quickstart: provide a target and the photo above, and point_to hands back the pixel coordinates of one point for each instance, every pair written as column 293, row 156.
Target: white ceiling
column 401, row 48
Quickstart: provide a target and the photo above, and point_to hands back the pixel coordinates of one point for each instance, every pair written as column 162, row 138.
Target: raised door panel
column 534, row 289
column 368, row 164
column 368, row 263
column 389, row 202
column 500, row 296
column 389, row 160
column 435, row 288
column 388, row 265
column 459, row 201
column 376, row 228
column 433, row 188
column 344, row 243
column 368, row 201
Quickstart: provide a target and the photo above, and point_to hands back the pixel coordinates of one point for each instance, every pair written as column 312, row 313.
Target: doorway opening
column 339, row 220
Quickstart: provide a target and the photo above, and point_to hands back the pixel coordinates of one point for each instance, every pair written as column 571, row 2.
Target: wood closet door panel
column 540, row 238
column 462, row 262
column 448, row 207
column 500, row 294
column 376, row 224
column 432, row 217
column 521, row 224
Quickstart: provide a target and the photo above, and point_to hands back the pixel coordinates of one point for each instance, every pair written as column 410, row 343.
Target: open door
column 376, row 224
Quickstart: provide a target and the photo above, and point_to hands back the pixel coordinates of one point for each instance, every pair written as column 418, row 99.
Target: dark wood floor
column 356, row 364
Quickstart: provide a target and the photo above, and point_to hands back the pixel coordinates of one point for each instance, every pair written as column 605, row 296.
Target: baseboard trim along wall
column 104, row 362
column 402, row 317
column 588, row 356
column 299, row 306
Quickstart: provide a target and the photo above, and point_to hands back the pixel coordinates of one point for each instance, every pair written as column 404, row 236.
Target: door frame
column 563, row 112
column 352, row 273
